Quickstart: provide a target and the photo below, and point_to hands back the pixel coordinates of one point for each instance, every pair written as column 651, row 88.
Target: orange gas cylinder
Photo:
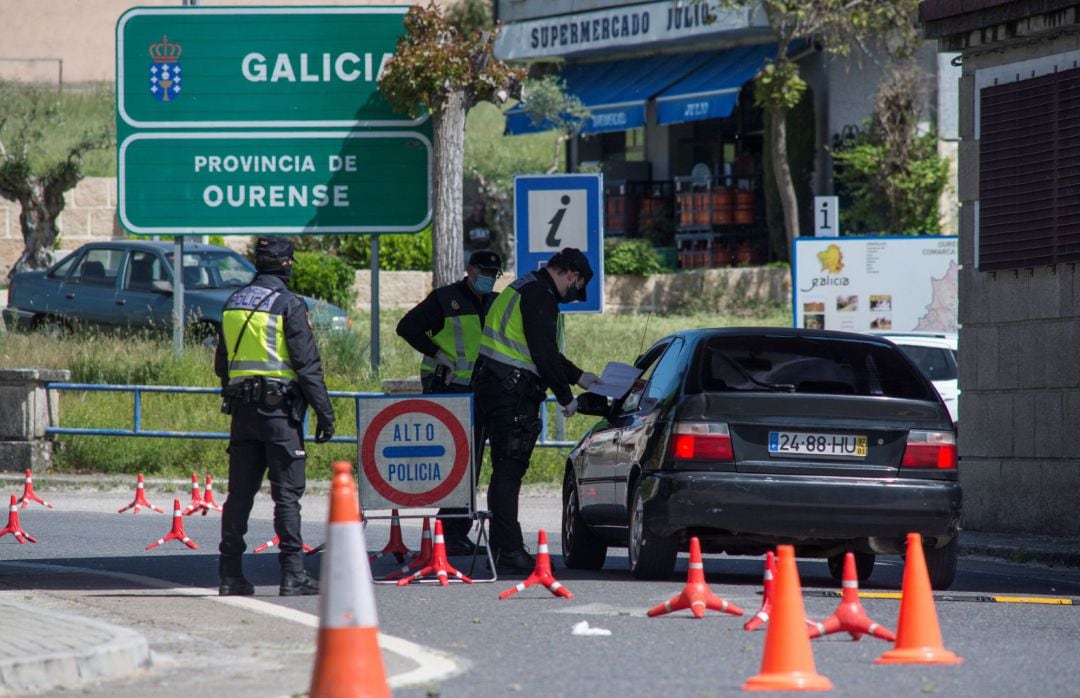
column 744, row 207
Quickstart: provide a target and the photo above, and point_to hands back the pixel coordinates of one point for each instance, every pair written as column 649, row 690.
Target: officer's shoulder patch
column 454, row 305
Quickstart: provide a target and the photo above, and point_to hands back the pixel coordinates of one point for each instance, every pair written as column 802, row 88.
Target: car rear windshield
column 800, row 364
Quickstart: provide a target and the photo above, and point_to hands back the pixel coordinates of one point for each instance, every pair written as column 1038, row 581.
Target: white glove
column 442, row 359
column 588, row 379
column 569, row 408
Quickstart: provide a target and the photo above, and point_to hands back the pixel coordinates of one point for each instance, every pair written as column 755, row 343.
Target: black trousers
column 263, row 440
column 512, row 421
column 459, row 525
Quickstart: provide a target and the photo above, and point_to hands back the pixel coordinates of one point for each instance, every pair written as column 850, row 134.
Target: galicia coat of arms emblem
column 165, row 71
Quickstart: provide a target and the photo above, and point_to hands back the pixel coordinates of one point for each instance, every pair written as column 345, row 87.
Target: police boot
column 231, row 581
column 298, row 584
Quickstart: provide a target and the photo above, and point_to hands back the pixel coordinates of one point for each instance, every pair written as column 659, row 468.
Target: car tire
column 941, row 564
column 51, row 326
column 651, row 556
column 582, row 550
column 864, row 566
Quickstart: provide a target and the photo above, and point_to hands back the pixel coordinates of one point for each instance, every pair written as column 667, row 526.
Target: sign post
column 826, row 216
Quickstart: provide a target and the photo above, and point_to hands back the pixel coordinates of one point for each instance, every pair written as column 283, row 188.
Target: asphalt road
column 523, row 645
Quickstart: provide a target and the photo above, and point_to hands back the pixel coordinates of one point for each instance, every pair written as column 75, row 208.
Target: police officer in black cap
column 520, row 361
column 270, row 372
column 446, row 328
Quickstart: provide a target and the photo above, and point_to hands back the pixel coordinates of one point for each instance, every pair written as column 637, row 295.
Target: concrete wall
column 1019, row 372
column 82, row 33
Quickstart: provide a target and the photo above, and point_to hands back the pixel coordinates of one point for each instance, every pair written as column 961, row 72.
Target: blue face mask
column 484, row 284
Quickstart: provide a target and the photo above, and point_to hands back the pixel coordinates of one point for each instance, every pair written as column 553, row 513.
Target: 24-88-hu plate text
column 791, row 443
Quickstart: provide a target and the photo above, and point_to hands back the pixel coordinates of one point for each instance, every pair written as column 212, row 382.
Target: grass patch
column 120, row 358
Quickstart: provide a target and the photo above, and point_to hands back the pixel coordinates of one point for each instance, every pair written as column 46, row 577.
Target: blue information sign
column 556, row 211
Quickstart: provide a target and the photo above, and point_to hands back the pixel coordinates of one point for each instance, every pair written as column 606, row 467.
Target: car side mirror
column 164, row 287
column 593, row 404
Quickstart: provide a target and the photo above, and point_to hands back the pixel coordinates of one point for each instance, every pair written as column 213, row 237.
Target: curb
column 101, row 651
column 1020, row 555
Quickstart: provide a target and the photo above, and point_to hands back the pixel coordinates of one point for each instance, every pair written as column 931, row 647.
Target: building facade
column 673, row 126
column 1020, row 245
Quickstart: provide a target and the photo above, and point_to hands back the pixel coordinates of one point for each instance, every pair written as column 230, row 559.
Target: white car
column 936, row 356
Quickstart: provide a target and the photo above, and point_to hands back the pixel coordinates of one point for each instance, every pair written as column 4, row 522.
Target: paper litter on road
column 583, row 628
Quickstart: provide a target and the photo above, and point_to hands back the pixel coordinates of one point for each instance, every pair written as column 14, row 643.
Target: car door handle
column 69, row 296
column 121, row 301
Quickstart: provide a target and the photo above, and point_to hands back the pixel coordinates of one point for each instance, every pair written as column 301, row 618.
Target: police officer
column 446, row 327
column 270, row 372
column 520, row 360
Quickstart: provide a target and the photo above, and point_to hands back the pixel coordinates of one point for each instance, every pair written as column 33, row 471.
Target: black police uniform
column 508, row 401
column 427, row 318
column 267, row 434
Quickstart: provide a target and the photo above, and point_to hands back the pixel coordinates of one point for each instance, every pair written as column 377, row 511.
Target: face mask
column 571, row 293
column 484, row 284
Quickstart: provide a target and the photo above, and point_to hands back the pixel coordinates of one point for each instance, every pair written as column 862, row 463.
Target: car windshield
column 215, row 269
column 936, row 363
column 783, row 363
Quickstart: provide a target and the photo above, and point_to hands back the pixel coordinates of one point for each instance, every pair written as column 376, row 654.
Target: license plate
column 792, row 443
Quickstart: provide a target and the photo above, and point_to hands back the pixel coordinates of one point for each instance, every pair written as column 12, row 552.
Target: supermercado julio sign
column 416, row 452
column 255, row 67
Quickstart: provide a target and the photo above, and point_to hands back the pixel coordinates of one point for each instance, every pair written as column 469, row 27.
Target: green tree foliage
column 396, row 252
column 469, row 16
column 893, row 175
column 43, row 140
column 631, row 257
column 548, row 102
column 440, row 70
column 323, row 276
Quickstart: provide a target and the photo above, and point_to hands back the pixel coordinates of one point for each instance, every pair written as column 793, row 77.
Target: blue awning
column 615, row 91
column 711, row 91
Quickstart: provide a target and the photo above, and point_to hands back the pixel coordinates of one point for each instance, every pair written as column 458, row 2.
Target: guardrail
column 136, row 430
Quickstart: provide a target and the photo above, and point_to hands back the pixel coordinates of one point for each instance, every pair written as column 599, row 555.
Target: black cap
column 573, row 259
column 276, row 247
column 485, row 259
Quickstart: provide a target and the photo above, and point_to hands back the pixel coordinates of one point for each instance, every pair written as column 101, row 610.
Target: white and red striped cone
column 850, row 614
column 348, row 661
column 274, row 542
column 197, row 503
column 421, row 558
column 208, row 496
column 762, row 616
column 14, row 527
column 29, row 495
column 396, row 545
column 542, row 574
column 696, row 595
column 177, row 532
column 140, row 502
column 440, row 567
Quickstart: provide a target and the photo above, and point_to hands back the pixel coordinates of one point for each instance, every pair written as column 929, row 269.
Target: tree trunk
column 38, row 224
column 784, row 185
column 448, row 261
column 555, row 164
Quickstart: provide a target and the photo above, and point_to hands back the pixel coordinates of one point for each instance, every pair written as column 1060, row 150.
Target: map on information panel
column 856, row 284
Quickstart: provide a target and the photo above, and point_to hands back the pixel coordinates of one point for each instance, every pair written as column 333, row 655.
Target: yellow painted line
column 1050, row 601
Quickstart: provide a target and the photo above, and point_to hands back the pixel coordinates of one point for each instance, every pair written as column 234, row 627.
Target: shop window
column 1029, row 171
column 635, row 145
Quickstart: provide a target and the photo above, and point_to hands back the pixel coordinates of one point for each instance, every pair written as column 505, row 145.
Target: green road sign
column 274, row 182
column 254, row 67
column 248, row 120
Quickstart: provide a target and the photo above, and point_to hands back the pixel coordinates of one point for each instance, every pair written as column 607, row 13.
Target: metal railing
column 137, row 391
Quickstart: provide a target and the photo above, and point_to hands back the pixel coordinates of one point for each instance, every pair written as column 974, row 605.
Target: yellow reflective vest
column 459, row 337
column 254, row 333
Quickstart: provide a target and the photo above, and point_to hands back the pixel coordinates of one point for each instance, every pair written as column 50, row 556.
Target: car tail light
column 701, row 441
column 930, row 449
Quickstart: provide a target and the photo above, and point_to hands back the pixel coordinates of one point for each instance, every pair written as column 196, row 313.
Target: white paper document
column 616, row 380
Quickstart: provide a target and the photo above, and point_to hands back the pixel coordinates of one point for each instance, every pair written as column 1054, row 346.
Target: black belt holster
column 257, row 390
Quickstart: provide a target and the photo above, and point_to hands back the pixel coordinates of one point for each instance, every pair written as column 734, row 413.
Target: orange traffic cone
column 422, row 558
column 29, row 495
column 197, row 503
column 850, row 614
column 440, row 566
column 208, row 497
column 395, row 545
column 696, row 595
column 918, row 635
column 140, row 502
column 177, row 532
column 275, row 541
column 14, row 527
column 762, row 616
column 542, row 574
column 788, row 663
column 348, row 661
